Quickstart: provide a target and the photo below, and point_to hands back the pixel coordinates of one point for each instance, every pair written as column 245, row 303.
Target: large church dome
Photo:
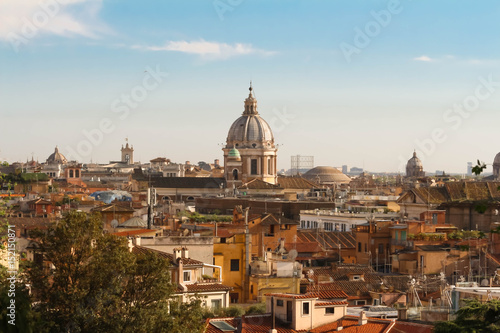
column 326, row 175
column 56, row 158
column 414, row 167
column 250, row 130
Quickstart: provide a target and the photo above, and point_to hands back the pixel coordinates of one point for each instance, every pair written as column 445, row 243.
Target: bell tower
column 127, row 154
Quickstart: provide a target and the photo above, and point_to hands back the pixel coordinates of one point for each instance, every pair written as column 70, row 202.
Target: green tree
column 475, row 317
column 97, row 285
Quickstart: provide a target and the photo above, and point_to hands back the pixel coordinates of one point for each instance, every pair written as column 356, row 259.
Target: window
column 235, row 265
column 215, row 304
column 71, row 173
column 234, row 297
column 305, row 308
column 360, row 302
column 279, row 302
column 403, row 235
column 253, row 166
column 366, row 247
column 223, row 239
column 359, row 246
column 269, row 171
column 187, row 276
column 235, row 174
column 380, row 248
column 434, row 218
column 329, row 310
column 77, row 173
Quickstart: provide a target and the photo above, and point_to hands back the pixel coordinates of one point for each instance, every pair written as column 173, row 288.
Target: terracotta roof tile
column 330, row 303
column 199, row 287
column 349, row 324
column 408, row 327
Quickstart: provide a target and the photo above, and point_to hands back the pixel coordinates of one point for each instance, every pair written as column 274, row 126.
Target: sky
column 358, row 83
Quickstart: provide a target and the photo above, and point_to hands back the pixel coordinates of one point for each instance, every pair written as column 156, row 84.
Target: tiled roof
column 329, row 303
column 338, row 278
column 271, row 219
column 257, row 184
column 349, row 324
column 328, row 239
column 201, row 287
column 296, row 183
column 169, row 256
column 457, row 192
column 309, row 247
column 409, row 327
column 115, row 208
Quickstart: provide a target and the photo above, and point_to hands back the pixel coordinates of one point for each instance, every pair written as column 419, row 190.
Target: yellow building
column 229, row 254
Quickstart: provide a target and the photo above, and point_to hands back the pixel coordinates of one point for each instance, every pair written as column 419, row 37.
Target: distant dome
column 496, row 167
column 56, row 158
column 133, row 223
column 250, row 130
column 497, row 159
column 414, row 167
column 326, row 175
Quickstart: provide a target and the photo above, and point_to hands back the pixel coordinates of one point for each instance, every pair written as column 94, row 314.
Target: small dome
column 326, row 175
column 133, row 223
column 56, row 158
column 234, row 154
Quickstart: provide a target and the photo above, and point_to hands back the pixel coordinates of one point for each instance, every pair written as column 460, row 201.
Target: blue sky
column 369, row 109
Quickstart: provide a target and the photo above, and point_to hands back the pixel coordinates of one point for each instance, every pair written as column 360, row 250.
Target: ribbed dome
column 326, row 175
column 234, row 154
column 414, row 167
column 414, row 162
column 250, row 130
column 57, row 158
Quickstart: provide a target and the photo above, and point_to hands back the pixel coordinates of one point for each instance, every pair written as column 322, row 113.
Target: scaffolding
column 301, row 164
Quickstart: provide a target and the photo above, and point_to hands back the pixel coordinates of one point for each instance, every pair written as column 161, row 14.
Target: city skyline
column 362, row 84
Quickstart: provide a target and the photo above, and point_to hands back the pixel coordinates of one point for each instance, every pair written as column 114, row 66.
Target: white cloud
column 423, row 58
column 30, row 18
column 213, row 50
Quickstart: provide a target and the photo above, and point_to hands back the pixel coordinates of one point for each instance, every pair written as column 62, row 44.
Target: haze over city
column 348, row 82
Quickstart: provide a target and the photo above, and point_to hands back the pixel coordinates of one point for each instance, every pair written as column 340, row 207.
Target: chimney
column 362, row 318
column 216, row 162
column 185, row 252
column 402, row 313
column 137, row 241
column 180, row 271
column 177, row 254
column 130, row 245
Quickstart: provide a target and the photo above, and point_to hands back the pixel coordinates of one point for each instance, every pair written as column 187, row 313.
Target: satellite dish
column 292, row 254
column 114, row 223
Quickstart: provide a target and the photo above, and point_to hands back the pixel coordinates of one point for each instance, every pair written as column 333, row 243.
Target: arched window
column 235, row 174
